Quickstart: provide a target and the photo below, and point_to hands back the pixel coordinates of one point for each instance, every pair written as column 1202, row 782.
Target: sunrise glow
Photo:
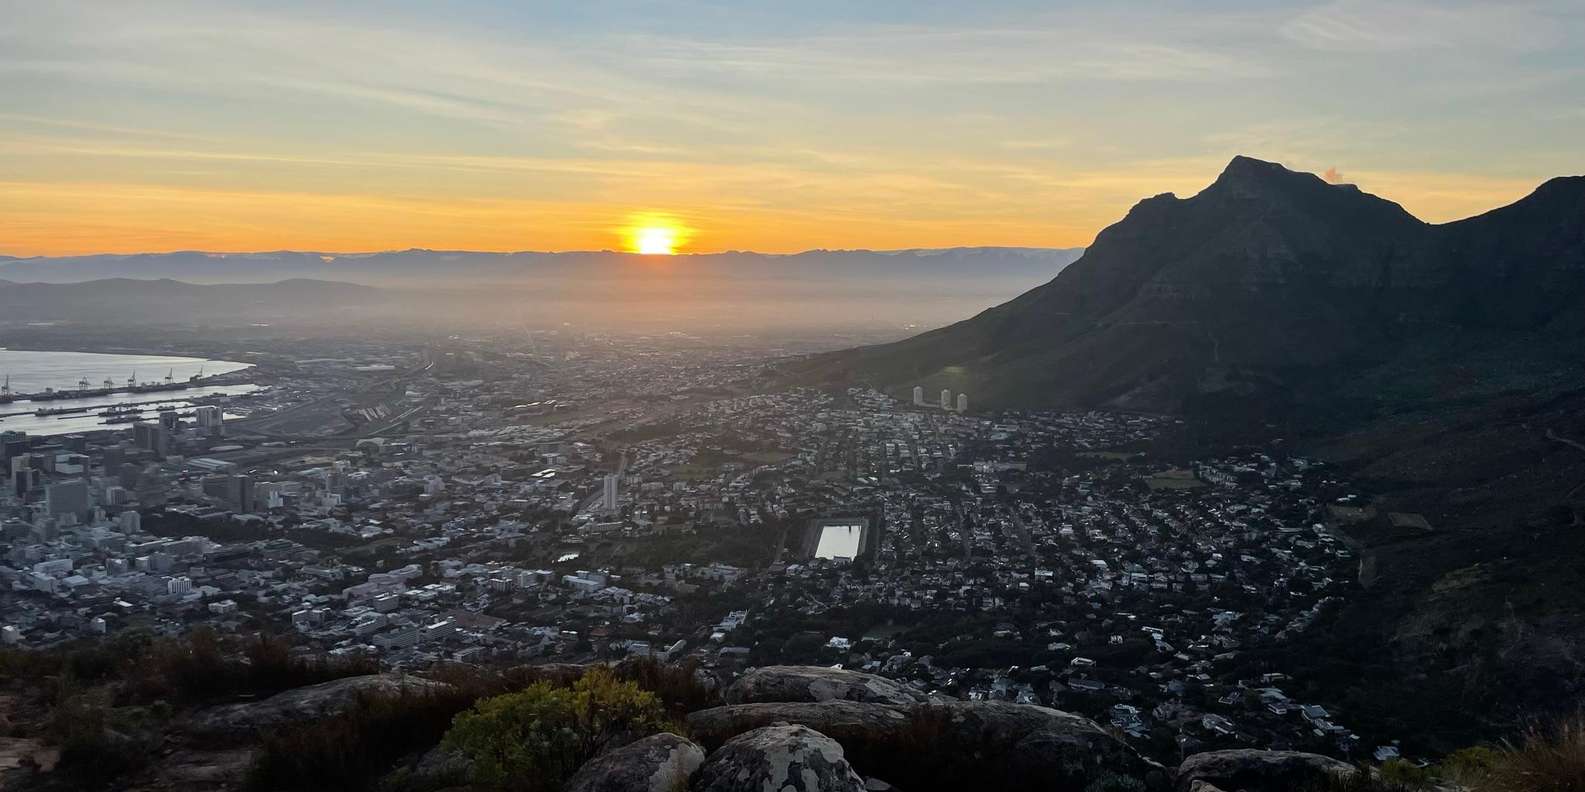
column 653, row 235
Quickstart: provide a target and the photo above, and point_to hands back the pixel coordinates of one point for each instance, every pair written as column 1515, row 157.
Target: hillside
column 1437, row 364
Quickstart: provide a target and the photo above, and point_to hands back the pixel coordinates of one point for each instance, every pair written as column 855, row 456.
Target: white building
column 963, row 402
column 919, row 395
column 946, row 399
column 613, row 490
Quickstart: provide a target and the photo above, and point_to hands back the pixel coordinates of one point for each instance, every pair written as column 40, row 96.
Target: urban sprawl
column 576, row 498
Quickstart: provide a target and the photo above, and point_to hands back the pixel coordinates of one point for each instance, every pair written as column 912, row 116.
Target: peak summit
column 1251, row 173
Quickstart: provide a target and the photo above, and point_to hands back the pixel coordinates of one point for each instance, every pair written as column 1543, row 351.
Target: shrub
column 98, row 745
column 204, row 666
column 1467, row 766
column 353, row 750
column 1545, row 760
column 536, row 738
column 676, row 685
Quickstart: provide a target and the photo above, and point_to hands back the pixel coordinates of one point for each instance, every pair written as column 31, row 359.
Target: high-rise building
column 209, row 419
column 613, row 490
column 67, row 497
column 152, row 437
column 236, row 492
column 946, row 399
column 963, row 402
column 919, row 395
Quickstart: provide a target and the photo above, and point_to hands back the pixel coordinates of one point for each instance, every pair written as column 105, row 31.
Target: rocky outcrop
column 850, row 722
column 658, row 763
column 784, row 758
column 1021, row 745
column 1257, row 771
column 814, row 683
column 306, row 703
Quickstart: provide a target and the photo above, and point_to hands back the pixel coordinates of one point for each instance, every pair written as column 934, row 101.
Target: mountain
column 129, row 301
column 881, row 294
column 1436, row 367
column 462, row 268
column 1264, row 278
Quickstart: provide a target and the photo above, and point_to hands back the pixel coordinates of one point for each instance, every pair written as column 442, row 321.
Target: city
column 587, row 498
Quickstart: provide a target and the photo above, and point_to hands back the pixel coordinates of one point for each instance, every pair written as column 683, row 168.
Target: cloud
column 1332, row 175
column 1367, row 26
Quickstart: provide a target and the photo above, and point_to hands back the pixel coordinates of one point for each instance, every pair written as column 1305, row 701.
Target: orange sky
column 239, row 126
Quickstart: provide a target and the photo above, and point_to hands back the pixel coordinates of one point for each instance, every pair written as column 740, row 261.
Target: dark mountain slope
column 1441, row 367
column 1265, row 276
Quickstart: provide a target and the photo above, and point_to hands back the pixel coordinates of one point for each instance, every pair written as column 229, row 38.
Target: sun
column 655, row 241
column 654, row 235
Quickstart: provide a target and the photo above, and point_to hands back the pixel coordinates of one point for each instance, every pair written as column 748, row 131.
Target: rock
column 849, row 722
column 813, row 683
column 1204, row 786
column 781, row 758
column 979, row 743
column 223, row 769
column 658, row 763
column 305, row 703
column 1257, row 771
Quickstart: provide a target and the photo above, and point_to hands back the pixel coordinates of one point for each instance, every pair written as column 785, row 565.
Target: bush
column 1546, row 760
column 535, row 739
column 204, row 666
column 99, row 745
column 676, row 685
column 1467, row 766
column 353, row 750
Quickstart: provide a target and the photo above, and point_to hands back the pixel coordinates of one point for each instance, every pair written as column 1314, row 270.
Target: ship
column 44, row 411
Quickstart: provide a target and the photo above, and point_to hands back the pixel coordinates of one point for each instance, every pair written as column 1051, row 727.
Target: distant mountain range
column 465, row 268
column 885, row 293
column 131, row 301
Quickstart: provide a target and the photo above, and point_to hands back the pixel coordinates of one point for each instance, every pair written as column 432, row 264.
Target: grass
column 1544, row 760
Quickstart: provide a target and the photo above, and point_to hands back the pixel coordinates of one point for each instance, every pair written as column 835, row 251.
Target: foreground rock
column 1257, row 771
column 814, row 683
column 305, row 704
column 990, row 744
column 851, row 723
column 782, row 758
column 658, row 763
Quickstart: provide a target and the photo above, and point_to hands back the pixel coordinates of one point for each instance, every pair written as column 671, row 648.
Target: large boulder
column 849, row 722
column 1000, row 745
column 781, row 758
column 307, row 703
column 1250, row 770
column 658, row 763
column 814, row 683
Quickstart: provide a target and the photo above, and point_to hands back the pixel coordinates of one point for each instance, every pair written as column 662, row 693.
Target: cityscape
column 693, row 396
column 600, row 498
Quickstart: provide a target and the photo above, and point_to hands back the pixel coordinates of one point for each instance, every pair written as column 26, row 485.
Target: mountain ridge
column 1265, row 269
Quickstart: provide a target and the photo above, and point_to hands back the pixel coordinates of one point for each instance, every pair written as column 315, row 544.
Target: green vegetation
column 353, row 750
column 537, row 738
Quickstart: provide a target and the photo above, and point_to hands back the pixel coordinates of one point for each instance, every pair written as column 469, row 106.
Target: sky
column 333, row 126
